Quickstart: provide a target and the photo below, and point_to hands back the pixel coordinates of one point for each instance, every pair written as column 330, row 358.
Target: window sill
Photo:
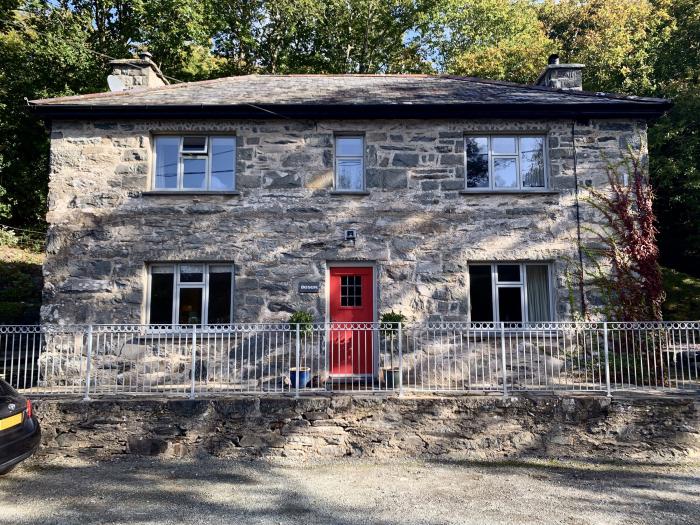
column 207, row 331
column 155, row 193
column 509, row 192
column 360, row 193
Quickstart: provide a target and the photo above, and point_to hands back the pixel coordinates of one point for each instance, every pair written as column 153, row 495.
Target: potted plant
column 389, row 328
column 302, row 320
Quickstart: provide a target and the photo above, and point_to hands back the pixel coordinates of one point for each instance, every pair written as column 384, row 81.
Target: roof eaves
column 356, row 111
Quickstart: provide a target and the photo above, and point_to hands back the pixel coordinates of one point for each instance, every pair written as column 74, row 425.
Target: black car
column 19, row 428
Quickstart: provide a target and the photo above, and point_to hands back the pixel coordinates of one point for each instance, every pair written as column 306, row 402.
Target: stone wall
column 477, row 427
column 287, row 224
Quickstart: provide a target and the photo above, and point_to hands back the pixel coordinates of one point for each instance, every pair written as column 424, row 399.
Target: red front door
column 351, row 301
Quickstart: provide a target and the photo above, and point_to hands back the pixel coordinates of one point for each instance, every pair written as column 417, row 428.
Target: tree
column 677, row 59
column 43, row 52
column 111, row 26
column 366, row 36
column 308, row 36
column 497, row 39
column 674, row 141
column 178, row 34
column 615, row 39
column 675, row 165
column 233, row 27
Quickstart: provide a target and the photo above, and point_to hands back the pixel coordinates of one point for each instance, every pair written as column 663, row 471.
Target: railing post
column 503, row 358
column 88, row 368
column 194, row 359
column 296, row 368
column 607, row 359
column 400, row 360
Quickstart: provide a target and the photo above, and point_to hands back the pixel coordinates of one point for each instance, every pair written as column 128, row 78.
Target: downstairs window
column 190, row 293
column 509, row 293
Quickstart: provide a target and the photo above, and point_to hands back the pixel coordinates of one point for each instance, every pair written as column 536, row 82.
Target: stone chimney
column 134, row 73
column 561, row 76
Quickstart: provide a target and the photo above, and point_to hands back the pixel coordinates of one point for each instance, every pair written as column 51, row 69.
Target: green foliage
column 176, row 32
column 303, row 319
column 21, row 283
column 308, row 36
column 8, row 238
column 43, row 54
column 682, row 296
column 365, row 36
column 392, row 318
column 675, row 167
column 616, row 40
column 677, row 60
column 497, row 39
column 389, row 322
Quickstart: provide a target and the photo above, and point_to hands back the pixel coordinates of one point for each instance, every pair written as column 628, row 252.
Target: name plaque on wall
column 309, row 287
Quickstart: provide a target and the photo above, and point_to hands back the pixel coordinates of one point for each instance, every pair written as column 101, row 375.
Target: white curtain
column 538, row 293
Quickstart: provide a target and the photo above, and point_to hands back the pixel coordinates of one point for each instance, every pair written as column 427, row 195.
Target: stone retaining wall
column 336, row 426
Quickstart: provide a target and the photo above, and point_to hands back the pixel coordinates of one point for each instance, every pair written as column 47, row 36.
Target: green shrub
column 8, row 237
column 389, row 322
column 303, row 319
column 392, row 317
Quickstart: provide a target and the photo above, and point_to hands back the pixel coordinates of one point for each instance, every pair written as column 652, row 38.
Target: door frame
column 375, row 318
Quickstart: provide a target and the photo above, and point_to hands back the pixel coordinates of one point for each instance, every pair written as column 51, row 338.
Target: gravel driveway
column 134, row 490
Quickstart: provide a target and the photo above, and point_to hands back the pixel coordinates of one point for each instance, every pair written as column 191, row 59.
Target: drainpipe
column 584, row 308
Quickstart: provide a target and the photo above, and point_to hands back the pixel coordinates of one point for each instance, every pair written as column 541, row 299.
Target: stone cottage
column 243, row 199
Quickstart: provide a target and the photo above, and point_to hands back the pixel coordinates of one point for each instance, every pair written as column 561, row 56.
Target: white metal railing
column 195, row 361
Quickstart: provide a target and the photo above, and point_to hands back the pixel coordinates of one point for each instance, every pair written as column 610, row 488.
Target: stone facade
column 286, row 224
column 312, row 427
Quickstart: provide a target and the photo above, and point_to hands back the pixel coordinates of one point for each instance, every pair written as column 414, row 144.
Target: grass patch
column 682, row 296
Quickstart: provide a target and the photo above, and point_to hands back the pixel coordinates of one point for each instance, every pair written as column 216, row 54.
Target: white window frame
column 206, row 154
column 336, row 157
column 522, row 284
column 492, row 156
column 177, row 286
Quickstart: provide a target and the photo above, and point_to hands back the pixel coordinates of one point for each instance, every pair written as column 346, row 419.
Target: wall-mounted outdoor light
column 351, row 235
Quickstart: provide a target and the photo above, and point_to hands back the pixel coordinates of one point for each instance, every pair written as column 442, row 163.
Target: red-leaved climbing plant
column 633, row 289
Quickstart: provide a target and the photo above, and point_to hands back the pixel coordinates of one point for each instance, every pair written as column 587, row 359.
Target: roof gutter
column 628, row 109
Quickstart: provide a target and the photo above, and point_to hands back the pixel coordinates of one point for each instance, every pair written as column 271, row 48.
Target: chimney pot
column 145, row 55
column 553, row 59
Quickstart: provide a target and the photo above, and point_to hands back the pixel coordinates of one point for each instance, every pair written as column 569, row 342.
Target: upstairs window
column 190, row 293
column 505, row 163
column 195, row 162
column 349, row 163
column 509, row 293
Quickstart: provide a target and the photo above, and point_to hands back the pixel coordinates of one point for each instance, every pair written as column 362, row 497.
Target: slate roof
column 350, row 96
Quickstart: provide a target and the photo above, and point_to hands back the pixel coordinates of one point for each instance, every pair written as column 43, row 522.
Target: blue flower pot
column 304, row 376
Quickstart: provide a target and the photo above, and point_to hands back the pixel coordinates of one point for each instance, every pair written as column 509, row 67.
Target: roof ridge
column 152, row 89
column 594, row 94
column 125, row 92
